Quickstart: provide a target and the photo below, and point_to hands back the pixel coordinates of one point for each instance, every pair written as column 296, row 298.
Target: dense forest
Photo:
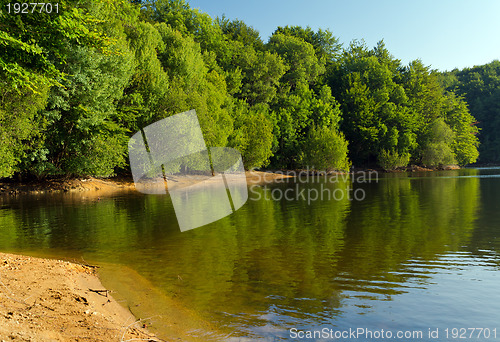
column 480, row 86
column 75, row 85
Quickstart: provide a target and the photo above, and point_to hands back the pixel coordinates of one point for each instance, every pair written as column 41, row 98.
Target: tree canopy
column 480, row 87
column 77, row 84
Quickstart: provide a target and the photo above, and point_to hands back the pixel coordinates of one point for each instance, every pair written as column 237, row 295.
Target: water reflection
column 277, row 263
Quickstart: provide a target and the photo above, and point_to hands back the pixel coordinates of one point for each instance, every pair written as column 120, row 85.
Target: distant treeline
column 75, row 85
column 480, row 86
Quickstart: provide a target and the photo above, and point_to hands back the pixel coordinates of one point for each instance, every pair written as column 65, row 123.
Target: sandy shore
column 51, row 300
column 109, row 186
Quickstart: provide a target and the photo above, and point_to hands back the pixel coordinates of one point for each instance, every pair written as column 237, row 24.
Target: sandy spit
column 109, row 186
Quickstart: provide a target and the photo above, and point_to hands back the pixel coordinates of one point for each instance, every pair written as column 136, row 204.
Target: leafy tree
column 149, row 83
column 391, row 160
column 299, row 56
column 190, row 22
column 261, row 73
column 326, row 46
column 34, row 45
column 84, row 137
column 297, row 111
column 302, row 101
column 431, row 102
column 480, row 88
column 253, row 134
column 325, row 148
column 373, row 102
column 20, row 126
column 193, row 86
column 437, row 148
column 34, row 50
column 237, row 31
column 462, row 123
column 424, row 93
column 389, row 110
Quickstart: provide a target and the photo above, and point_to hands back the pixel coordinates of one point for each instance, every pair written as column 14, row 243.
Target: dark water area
column 417, row 254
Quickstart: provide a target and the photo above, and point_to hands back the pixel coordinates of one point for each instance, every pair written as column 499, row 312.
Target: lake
column 414, row 257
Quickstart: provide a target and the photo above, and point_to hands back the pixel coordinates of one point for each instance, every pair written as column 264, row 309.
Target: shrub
column 390, row 160
column 326, row 148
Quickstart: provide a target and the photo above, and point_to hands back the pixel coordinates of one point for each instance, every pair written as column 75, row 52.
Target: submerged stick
column 100, row 292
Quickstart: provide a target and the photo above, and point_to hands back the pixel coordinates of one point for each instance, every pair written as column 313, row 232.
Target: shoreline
column 109, row 186
column 54, row 300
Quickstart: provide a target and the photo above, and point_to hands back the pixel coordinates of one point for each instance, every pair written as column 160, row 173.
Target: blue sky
column 444, row 34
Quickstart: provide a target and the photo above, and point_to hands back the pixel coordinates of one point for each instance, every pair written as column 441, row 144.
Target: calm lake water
column 420, row 251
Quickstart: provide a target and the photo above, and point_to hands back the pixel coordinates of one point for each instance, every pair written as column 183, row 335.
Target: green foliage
column 326, row 46
column 149, row 83
column 253, row 134
column 237, row 30
column 260, row 72
column 35, row 52
column 84, row 137
column 193, row 86
column 299, row 56
column 437, row 149
column 391, row 160
column 437, row 154
column 189, row 22
column 36, row 44
column 325, row 148
column 20, row 127
column 76, row 85
column 388, row 110
column 480, row 88
column 374, row 103
column 297, row 111
column 465, row 142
